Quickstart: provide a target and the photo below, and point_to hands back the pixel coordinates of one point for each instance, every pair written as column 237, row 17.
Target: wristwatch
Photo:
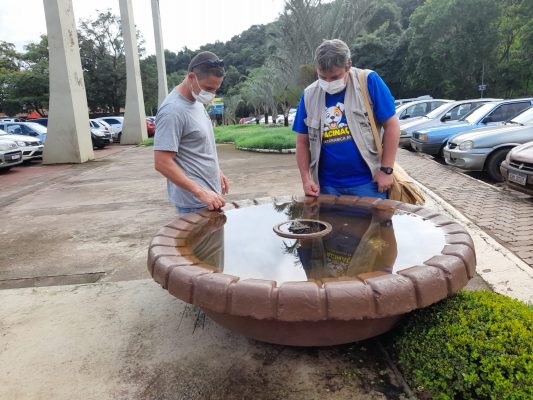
column 387, row 170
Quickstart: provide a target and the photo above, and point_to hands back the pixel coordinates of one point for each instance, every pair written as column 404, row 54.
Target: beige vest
column 356, row 118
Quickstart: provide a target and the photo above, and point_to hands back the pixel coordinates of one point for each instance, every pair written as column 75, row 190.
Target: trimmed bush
column 474, row 345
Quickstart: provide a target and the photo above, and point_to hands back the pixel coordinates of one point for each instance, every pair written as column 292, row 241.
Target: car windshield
column 438, row 111
column 524, row 118
column 478, row 113
column 37, row 127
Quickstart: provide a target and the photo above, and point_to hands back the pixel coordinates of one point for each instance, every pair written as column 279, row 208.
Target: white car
column 31, row 147
column 115, row 123
column 10, row 154
column 418, row 108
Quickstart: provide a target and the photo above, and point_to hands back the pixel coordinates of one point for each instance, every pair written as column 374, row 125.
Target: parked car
column 445, row 113
column 399, row 102
column 290, row 116
column 150, row 127
column 10, row 154
column 42, row 121
column 9, row 119
column 517, row 169
column 100, row 137
column 116, row 124
column 25, row 128
column 484, row 149
column 433, row 140
column 31, row 147
column 245, row 120
column 251, row 121
column 418, row 108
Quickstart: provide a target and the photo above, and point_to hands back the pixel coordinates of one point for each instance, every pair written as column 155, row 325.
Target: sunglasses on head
column 210, row 63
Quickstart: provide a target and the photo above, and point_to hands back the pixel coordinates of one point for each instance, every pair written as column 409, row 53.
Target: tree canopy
column 442, row 48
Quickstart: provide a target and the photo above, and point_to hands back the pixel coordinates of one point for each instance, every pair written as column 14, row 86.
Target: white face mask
column 204, row 96
column 332, row 87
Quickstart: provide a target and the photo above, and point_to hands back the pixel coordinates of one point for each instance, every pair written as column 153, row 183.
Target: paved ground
column 125, row 338
column 505, row 215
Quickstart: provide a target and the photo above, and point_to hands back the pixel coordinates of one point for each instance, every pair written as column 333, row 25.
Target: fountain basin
column 382, row 259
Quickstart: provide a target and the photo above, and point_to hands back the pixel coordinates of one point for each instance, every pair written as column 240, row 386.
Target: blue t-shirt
column 341, row 164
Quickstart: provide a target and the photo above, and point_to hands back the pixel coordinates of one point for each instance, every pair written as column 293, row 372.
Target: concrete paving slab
column 132, row 340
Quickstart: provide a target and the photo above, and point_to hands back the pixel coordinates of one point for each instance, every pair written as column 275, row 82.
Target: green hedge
column 474, row 345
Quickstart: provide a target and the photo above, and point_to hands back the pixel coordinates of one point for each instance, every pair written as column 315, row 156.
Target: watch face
column 387, row 170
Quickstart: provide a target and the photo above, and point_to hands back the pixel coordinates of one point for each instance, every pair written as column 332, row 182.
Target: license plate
column 15, row 156
column 517, row 178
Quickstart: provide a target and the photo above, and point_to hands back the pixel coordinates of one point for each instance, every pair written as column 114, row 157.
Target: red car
column 150, row 127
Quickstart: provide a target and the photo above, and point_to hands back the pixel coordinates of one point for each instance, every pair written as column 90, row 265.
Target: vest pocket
column 368, row 137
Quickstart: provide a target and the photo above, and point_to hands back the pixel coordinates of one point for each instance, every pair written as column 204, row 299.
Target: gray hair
column 332, row 53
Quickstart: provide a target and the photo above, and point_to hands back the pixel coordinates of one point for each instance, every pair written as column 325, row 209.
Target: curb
column 281, row 151
column 505, row 273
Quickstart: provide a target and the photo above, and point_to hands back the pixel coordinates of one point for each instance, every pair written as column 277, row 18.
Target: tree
column 449, row 41
column 103, row 62
column 24, row 78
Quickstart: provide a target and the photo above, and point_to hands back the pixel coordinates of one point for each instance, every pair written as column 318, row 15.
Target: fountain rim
column 367, row 296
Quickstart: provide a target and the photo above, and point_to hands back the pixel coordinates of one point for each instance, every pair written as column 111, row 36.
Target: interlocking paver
column 503, row 214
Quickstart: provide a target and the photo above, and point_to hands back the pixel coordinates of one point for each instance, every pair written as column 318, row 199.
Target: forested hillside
column 436, row 47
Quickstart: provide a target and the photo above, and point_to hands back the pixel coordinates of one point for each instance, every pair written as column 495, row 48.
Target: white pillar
column 162, row 86
column 134, row 128
column 68, row 139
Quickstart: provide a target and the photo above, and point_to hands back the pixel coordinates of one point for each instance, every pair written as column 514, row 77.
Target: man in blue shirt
column 345, row 165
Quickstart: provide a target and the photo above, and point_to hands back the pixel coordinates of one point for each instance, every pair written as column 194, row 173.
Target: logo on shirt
column 334, row 130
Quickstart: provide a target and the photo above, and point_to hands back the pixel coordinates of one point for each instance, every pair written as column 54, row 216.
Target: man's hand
column 311, row 188
column 224, row 185
column 383, row 180
column 212, row 200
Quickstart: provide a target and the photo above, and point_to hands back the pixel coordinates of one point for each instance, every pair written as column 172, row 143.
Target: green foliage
column 256, row 136
column 474, row 345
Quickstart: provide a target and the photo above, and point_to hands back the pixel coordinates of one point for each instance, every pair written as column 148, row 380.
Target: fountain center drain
column 302, row 229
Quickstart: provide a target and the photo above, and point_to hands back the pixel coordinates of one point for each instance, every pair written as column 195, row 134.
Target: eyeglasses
column 209, row 63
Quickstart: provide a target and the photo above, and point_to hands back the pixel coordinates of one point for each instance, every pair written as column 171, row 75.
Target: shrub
column 474, row 345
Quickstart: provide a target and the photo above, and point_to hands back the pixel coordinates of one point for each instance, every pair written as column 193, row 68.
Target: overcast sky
column 190, row 23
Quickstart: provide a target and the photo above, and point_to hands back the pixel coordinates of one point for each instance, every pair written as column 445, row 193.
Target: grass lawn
column 252, row 136
column 257, row 136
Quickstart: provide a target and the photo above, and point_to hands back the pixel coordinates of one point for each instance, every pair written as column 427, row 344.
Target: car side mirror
column 446, row 117
column 405, row 116
column 488, row 119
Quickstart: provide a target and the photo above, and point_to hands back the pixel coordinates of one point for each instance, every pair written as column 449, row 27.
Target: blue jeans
column 186, row 210
column 367, row 189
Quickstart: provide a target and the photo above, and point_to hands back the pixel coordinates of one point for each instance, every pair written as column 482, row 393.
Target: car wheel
column 119, row 136
column 492, row 166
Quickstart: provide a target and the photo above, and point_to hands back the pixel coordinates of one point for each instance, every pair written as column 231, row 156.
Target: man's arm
column 165, row 164
column 391, row 140
column 311, row 188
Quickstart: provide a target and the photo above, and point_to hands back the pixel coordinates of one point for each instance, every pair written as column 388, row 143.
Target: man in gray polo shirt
column 184, row 146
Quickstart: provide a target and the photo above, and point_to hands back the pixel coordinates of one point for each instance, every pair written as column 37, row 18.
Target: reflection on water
column 242, row 242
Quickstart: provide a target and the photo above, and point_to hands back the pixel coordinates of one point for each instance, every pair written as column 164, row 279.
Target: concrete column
column 68, row 139
column 162, row 86
column 134, row 128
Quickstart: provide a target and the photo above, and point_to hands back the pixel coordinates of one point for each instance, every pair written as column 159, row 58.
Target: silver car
column 517, row 169
column 447, row 112
column 484, row 149
column 31, row 147
column 10, row 154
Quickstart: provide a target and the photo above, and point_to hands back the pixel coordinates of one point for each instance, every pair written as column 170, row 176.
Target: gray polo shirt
column 184, row 127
